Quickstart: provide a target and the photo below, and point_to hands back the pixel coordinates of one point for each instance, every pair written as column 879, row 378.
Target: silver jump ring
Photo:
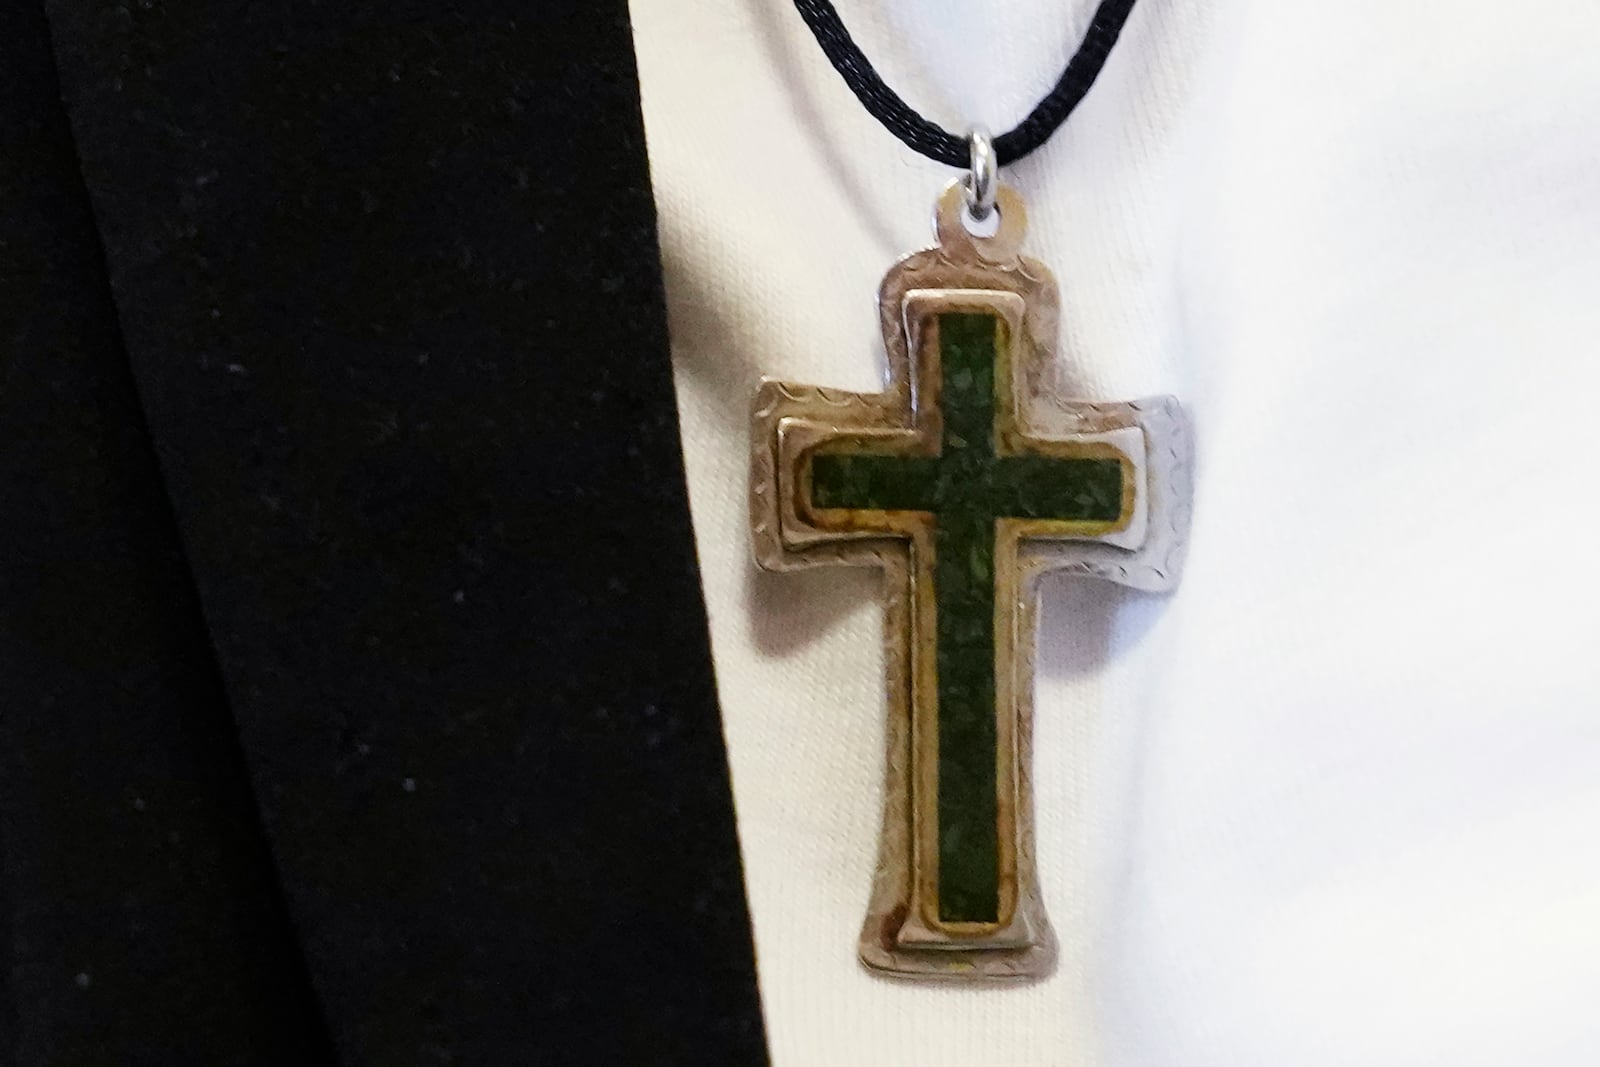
column 984, row 177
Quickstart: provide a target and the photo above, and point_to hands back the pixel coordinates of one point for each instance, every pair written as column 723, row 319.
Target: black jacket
column 355, row 698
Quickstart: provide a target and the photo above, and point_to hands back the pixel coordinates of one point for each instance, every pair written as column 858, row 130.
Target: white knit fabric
column 1337, row 801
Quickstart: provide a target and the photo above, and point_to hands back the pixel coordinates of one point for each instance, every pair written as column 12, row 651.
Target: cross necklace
column 964, row 482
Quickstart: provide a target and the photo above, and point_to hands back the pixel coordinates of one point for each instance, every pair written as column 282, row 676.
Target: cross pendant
column 965, row 481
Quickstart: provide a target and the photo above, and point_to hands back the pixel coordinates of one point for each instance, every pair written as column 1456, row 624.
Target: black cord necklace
column 933, row 140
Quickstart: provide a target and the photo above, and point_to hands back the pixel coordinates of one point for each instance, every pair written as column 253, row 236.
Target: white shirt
column 1337, row 801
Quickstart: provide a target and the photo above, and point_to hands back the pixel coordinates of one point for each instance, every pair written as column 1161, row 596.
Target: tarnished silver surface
column 902, row 934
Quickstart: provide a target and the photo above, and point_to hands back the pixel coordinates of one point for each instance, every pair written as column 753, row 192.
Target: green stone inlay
column 967, row 487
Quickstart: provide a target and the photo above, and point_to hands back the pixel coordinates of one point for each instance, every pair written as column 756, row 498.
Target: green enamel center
column 966, row 488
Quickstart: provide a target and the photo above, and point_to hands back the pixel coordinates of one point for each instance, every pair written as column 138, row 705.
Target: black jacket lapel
column 139, row 915
column 389, row 287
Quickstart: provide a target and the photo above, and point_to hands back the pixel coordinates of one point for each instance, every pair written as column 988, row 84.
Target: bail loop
column 983, row 179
